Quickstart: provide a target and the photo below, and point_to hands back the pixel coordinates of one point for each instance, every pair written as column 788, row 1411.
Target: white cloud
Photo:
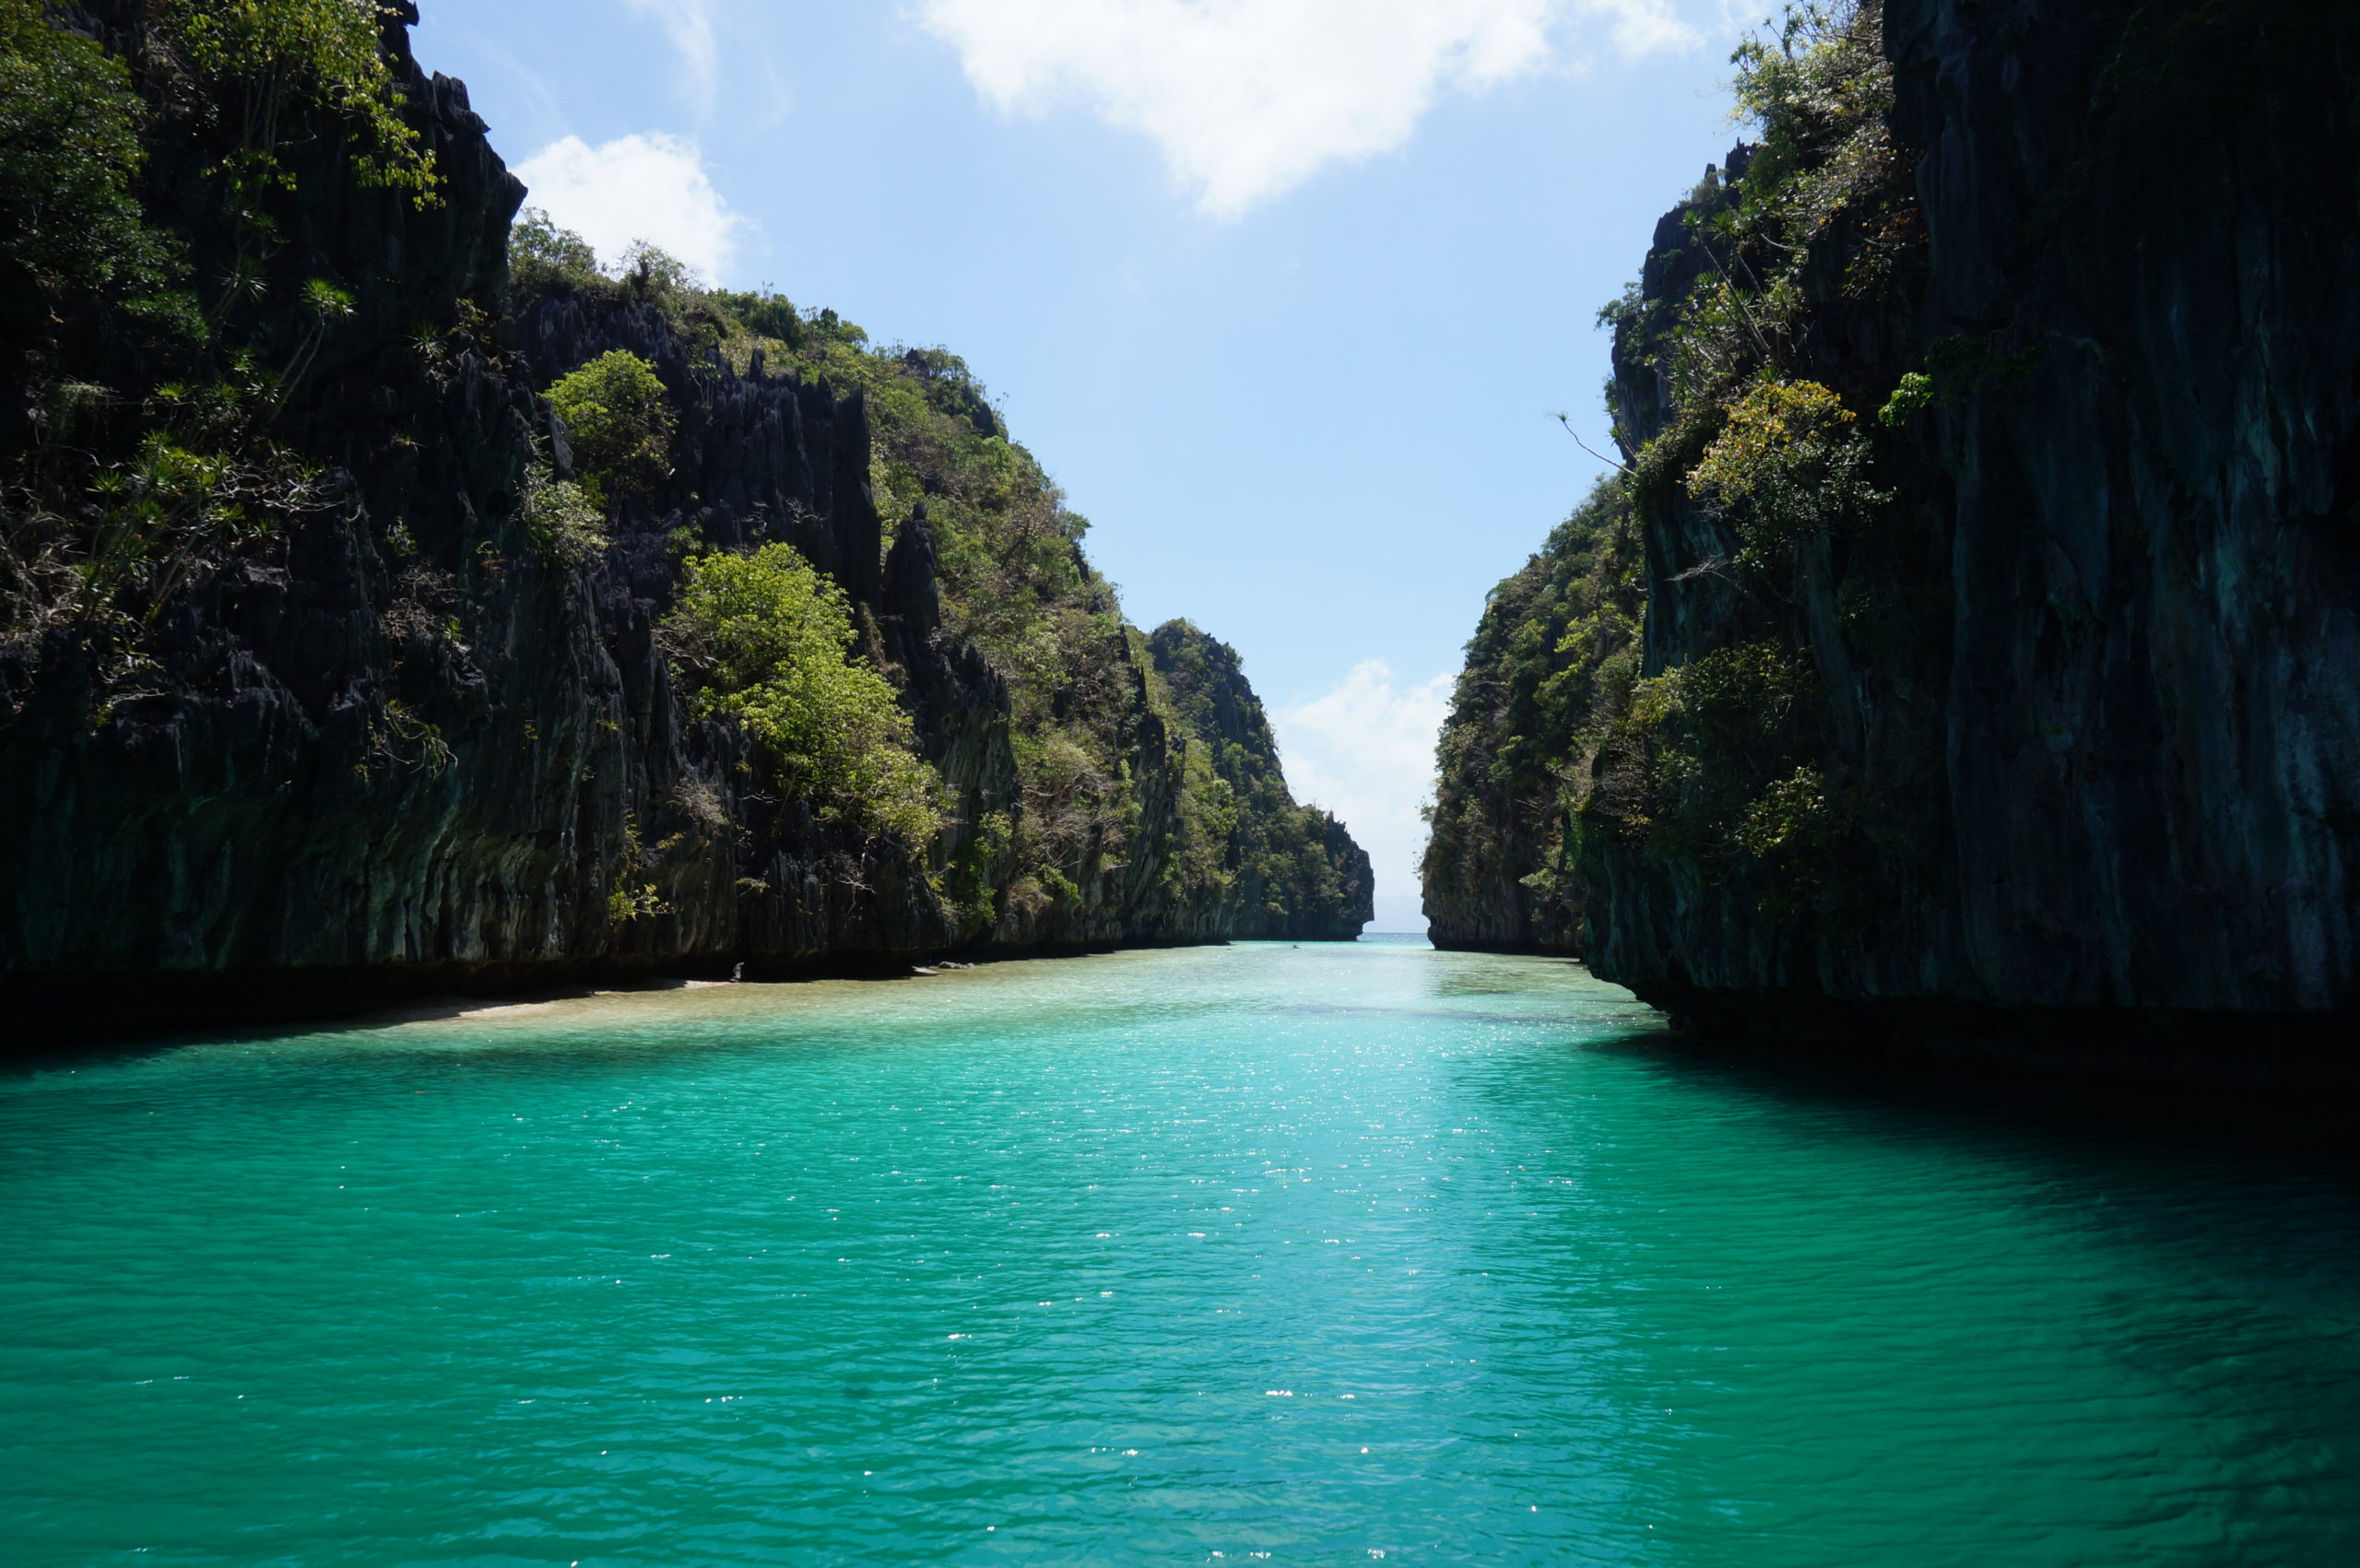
column 650, row 187
column 689, row 25
column 1248, row 98
column 1365, row 752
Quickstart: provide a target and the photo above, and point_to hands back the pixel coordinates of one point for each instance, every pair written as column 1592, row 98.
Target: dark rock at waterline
column 2095, row 715
column 419, row 753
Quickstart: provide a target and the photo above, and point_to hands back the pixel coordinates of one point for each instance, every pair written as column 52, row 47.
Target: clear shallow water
column 1318, row 1253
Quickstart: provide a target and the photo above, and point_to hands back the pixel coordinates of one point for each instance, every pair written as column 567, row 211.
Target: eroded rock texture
column 412, row 750
column 2084, row 697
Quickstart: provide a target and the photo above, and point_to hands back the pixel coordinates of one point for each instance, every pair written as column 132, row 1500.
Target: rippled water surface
column 1313, row 1255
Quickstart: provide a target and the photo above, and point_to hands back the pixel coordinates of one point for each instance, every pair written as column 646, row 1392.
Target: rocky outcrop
column 1555, row 639
column 407, row 748
column 1285, row 871
column 2057, row 740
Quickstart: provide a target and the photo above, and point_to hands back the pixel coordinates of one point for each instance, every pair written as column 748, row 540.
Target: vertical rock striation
column 2050, row 733
column 402, row 746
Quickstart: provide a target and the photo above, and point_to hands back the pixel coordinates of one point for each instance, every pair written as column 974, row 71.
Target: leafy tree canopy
column 621, row 425
column 545, row 259
column 269, row 60
column 771, row 641
column 69, row 152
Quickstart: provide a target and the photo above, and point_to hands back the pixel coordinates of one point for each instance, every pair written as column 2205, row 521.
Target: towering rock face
column 2151, row 737
column 2001, row 606
column 387, row 738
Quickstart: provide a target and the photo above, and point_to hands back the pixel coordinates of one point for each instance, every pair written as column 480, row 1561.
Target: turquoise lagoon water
column 1315, row 1255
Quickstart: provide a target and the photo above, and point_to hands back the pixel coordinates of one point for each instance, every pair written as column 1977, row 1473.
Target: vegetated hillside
column 1993, row 427
column 337, row 658
column 1549, row 671
column 1279, row 869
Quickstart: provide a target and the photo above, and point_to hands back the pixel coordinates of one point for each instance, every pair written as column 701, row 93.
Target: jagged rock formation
column 2040, row 724
column 393, row 742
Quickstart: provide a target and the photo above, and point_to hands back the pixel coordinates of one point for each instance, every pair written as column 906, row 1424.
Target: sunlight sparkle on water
column 1316, row 1255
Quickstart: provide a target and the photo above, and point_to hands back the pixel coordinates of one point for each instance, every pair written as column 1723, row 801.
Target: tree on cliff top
column 266, row 62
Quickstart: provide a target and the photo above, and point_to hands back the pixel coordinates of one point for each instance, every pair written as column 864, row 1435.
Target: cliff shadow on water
column 1963, row 661
column 396, row 602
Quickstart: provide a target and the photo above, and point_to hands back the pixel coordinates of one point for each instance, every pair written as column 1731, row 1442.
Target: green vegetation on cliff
column 1991, row 429
column 1083, row 685
column 154, row 333
column 1548, row 678
column 258, row 65
column 619, row 423
column 387, row 590
column 770, row 643
column 1563, row 750
column 1244, row 840
column 1731, row 760
column 70, row 155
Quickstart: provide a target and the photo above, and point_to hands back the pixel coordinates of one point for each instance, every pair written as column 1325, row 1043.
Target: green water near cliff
column 1321, row 1254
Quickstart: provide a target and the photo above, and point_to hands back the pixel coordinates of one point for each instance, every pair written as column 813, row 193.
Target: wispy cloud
column 651, row 187
column 689, row 25
column 1248, row 98
column 1638, row 28
column 1365, row 751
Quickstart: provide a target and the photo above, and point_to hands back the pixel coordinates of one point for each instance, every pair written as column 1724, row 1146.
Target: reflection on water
column 1321, row 1253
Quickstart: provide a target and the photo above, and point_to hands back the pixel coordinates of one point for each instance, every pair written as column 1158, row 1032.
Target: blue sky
column 1283, row 292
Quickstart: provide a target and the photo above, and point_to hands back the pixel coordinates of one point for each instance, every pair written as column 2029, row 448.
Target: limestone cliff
column 357, row 729
column 1555, row 647
column 1268, row 866
column 1994, row 431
